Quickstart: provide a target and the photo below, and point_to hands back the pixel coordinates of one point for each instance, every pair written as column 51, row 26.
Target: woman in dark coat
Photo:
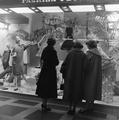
column 93, row 81
column 47, row 82
column 72, row 70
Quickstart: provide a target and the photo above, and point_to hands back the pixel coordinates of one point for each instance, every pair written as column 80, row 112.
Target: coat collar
column 95, row 51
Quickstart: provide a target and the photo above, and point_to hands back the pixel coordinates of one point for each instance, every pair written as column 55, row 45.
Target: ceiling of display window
column 11, row 10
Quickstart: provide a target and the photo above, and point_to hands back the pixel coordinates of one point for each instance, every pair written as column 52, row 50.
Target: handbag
column 62, row 86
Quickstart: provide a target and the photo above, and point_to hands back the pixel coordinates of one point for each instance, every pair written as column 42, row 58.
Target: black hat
column 77, row 44
column 91, row 44
column 51, row 41
column 67, row 45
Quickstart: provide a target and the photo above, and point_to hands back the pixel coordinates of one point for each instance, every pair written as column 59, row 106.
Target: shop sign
column 37, row 1
column 45, row 1
column 71, row 1
column 64, row 1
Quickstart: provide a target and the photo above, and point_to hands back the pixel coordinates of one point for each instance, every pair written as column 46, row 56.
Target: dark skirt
column 47, row 83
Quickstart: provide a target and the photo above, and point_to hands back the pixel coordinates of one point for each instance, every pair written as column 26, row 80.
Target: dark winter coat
column 47, row 82
column 73, row 69
column 93, row 80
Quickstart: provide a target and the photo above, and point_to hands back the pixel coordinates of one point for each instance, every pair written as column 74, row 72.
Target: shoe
column 16, row 89
column 71, row 112
column 83, row 111
column 45, row 108
column 90, row 109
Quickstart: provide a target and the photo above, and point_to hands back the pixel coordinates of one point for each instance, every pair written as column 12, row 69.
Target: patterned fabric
column 108, row 77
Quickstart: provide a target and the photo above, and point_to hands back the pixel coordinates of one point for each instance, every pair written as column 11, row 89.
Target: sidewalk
column 14, row 106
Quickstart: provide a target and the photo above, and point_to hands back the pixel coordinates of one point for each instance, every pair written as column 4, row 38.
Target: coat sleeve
column 56, row 60
column 43, row 54
column 64, row 66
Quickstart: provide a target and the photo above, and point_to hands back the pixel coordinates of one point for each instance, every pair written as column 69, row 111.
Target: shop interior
column 33, row 24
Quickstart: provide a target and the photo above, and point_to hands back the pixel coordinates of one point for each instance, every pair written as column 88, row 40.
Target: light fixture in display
column 82, row 8
column 112, row 7
column 53, row 9
column 65, row 8
column 22, row 10
column 99, row 7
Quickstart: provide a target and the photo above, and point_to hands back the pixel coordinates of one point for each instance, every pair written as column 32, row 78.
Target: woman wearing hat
column 47, row 81
column 73, row 69
column 93, row 80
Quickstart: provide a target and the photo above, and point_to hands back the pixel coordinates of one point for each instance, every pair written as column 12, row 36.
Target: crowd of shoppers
column 82, row 74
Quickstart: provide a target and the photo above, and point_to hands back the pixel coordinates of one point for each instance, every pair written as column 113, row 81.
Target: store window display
column 64, row 27
column 13, row 76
